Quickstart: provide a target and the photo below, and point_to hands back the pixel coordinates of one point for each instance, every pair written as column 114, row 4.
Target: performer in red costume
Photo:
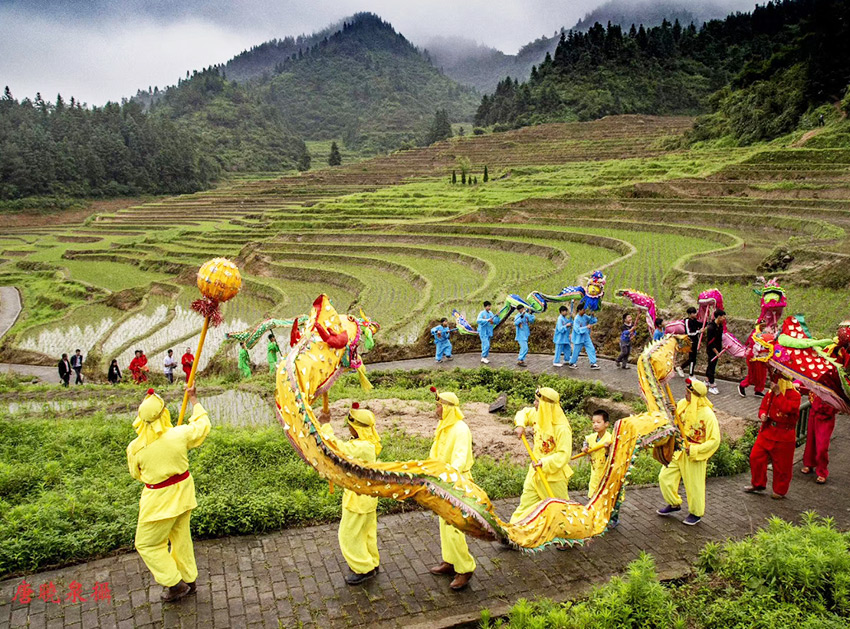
column 779, row 412
column 821, row 425
column 187, row 361
column 756, row 369
column 139, row 367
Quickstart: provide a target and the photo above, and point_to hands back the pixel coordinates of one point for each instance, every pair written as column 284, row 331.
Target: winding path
column 10, row 308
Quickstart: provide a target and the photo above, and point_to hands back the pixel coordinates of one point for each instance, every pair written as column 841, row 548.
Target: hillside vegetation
column 757, row 72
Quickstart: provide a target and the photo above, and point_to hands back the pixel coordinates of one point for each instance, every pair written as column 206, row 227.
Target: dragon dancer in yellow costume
column 700, row 439
column 358, row 528
column 453, row 445
column 553, row 446
column 158, row 457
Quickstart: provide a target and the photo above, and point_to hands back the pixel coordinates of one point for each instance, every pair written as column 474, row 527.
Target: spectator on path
column 821, row 425
column 692, row 329
column 779, row 412
column 358, row 528
column 627, row 333
column 273, row 353
column 700, row 439
column 659, row 329
column 168, row 365
column 139, row 367
column 77, row 366
column 244, row 361
column 821, row 121
column 441, row 339
column 581, row 338
column 563, row 327
column 486, row 322
column 158, row 457
column 114, row 374
column 453, row 445
column 64, row 370
column 714, row 347
column 186, row 361
column 522, row 322
column 553, row 443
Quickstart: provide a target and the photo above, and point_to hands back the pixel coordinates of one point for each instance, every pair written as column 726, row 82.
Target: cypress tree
column 454, row 177
column 463, row 177
column 486, row 176
column 334, row 159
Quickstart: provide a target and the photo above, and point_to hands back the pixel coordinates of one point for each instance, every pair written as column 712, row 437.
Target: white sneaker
column 680, row 372
column 713, row 390
column 595, row 366
column 573, row 365
column 557, row 364
column 485, row 361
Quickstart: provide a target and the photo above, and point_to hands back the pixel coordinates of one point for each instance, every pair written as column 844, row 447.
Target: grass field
column 394, row 236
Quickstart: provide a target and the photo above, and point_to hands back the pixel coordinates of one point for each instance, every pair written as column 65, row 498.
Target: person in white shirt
column 168, row 365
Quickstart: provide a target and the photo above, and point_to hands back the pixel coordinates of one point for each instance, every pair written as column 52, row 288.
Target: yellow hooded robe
column 701, row 434
column 160, row 452
column 553, row 446
column 453, row 445
column 358, row 528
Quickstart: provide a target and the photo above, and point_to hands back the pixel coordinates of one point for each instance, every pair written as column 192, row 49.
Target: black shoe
column 759, row 393
column 357, row 579
column 742, row 391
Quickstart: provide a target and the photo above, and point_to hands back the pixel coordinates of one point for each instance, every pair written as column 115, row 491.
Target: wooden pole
column 197, row 360
column 539, row 470
column 589, row 451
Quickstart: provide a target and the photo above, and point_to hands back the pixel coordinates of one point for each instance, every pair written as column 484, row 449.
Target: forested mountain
column 64, row 149
column 483, row 67
column 758, row 72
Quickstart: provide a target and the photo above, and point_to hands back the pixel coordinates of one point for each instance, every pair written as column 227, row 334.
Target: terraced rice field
column 393, row 236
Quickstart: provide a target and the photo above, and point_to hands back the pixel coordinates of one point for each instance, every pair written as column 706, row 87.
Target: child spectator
column 627, row 333
column 168, row 365
column 599, row 442
column 659, row 329
column 562, row 337
column 581, row 338
column 713, row 347
column 522, row 321
column 114, row 374
column 441, row 339
column 486, row 322
column 692, row 328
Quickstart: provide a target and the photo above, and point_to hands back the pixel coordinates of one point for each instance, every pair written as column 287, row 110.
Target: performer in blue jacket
column 581, row 337
column 486, row 322
column 441, row 338
column 562, row 337
column 523, row 321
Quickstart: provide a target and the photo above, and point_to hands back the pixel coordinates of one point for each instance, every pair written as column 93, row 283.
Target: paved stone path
column 10, row 308
column 296, row 575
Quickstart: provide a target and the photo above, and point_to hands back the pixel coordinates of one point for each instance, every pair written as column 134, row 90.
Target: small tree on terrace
column 334, row 159
column 486, row 176
column 440, row 129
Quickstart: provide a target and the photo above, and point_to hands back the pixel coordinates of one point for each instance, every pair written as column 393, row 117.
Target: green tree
column 486, row 175
column 440, row 129
column 334, row 159
column 454, row 177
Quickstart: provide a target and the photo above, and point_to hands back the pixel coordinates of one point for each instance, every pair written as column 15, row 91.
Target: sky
column 100, row 50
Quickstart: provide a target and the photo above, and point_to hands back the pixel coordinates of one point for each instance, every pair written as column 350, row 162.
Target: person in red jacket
column 139, row 367
column 821, row 425
column 187, row 361
column 779, row 412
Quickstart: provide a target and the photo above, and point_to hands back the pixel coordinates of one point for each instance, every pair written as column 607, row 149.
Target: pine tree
column 441, row 128
column 334, row 159
column 486, row 175
column 463, row 177
column 454, row 177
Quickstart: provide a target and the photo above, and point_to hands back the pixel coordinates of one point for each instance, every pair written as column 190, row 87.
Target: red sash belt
column 170, row 481
column 775, row 424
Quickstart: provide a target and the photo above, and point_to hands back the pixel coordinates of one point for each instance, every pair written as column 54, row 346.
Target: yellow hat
column 548, row 394
column 363, row 423
column 152, row 420
column 361, row 416
column 446, row 397
column 151, row 407
column 696, row 387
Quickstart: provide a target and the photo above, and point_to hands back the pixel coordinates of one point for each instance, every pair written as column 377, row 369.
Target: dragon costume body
column 590, row 295
column 327, row 344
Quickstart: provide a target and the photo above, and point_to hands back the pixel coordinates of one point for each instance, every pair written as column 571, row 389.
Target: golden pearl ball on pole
column 219, row 279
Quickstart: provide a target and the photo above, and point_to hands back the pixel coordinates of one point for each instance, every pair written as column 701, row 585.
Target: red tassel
column 337, row 341
column 294, row 335
column 433, row 389
column 150, row 391
column 207, row 307
column 355, row 405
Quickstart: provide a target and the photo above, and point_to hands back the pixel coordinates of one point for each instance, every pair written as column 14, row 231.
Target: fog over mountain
column 99, row 50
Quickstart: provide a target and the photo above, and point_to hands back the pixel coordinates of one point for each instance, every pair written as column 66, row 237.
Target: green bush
column 783, row 576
